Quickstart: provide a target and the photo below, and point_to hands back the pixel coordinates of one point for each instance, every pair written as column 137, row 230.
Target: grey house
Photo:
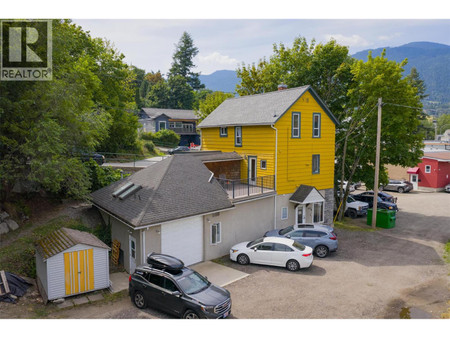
column 181, row 121
column 177, row 207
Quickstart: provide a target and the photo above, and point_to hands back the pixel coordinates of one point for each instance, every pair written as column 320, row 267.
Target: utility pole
column 377, row 167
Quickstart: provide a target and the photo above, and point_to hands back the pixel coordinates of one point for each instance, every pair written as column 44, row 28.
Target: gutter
column 276, row 169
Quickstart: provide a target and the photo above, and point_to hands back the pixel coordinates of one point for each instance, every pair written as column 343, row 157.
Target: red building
column 433, row 173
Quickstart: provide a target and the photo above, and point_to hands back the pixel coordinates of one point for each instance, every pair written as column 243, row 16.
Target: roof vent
column 122, row 189
column 282, row 86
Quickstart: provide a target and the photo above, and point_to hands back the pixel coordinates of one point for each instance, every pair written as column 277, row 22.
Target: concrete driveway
column 387, row 273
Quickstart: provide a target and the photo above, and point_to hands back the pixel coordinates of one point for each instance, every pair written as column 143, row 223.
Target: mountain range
column 432, row 61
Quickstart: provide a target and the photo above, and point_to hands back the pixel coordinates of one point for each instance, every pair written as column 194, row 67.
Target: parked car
column 277, row 251
column 447, row 188
column 321, row 239
column 167, row 285
column 100, row 159
column 344, row 186
column 307, row 226
column 180, row 149
column 367, row 197
column 354, row 208
column 400, row 186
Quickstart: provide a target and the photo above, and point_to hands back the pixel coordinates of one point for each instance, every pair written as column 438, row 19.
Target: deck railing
column 247, row 187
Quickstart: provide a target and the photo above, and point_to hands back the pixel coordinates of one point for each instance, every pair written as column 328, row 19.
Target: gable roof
column 63, row 239
column 177, row 187
column 174, row 114
column 306, row 194
column 259, row 109
column 443, row 156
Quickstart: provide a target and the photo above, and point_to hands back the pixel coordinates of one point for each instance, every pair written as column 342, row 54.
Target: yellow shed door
column 79, row 271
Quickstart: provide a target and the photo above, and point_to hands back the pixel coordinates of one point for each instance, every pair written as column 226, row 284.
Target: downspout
column 143, row 245
column 275, row 178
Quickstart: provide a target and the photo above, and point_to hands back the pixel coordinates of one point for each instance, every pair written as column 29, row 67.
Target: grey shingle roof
column 174, row 188
column 65, row 238
column 216, row 156
column 301, row 193
column 175, row 114
column 260, row 109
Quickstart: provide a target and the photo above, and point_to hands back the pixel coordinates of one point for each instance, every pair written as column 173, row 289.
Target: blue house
column 181, row 121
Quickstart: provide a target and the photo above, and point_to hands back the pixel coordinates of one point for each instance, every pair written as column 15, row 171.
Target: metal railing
column 247, row 187
column 183, row 130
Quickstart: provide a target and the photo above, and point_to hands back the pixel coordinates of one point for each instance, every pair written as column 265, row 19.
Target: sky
column 226, row 43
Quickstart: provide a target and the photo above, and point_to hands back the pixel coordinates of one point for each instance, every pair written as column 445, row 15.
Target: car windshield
column 350, row 199
column 298, row 246
column 256, row 241
column 193, row 283
column 286, row 230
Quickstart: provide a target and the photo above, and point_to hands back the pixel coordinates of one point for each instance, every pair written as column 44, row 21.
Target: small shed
column 70, row 262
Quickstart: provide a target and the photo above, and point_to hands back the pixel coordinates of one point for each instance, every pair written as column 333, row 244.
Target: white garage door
column 183, row 239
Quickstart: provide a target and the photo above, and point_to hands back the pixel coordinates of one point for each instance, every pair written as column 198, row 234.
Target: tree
column 45, row 126
column 415, row 81
column 210, row 103
column 182, row 63
column 181, row 95
column 401, row 140
column 326, row 67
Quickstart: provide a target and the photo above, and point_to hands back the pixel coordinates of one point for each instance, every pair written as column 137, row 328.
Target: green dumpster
column 385, row 218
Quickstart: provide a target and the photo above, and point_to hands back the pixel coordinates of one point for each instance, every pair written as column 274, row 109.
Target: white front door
column 132, row 244
column 252, row 169
column 300, row 214
column 414, row 181
column 183, row 239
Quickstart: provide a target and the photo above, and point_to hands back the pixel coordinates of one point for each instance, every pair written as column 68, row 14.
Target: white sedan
column 278, row 251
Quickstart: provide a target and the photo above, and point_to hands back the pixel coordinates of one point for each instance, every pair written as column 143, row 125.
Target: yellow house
column 286, row 140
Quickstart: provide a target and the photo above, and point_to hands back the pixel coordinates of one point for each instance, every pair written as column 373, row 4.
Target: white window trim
column 296, row 115
column 318, row 127
column 318, row 166
column 238, row 136
column 265, row 164
column 159, row 125
column 429, row 169
column 323, row 212
column 223, row 131
column 287, row 213
column 219, row 226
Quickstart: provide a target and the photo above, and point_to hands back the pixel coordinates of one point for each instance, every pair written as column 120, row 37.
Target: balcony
column 184, row 130
column 247, row 188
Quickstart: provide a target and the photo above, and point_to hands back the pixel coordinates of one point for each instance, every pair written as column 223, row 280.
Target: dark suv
column 384, row 200
column 167, row 285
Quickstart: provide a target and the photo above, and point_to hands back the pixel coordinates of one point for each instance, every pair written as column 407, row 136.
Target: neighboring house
column 70, row 262
column 177, row 207
column 181, row 121
column 286, row 137
column 432, row 173
column 430, row 146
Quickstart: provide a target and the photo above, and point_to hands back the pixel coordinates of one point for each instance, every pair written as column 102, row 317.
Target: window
column 162, row 125
column 281, row 247
column 223, row 132
column 264, row 164
column 215, row 233
column 295, row 125
column 171, row 124
column 316, row 125
column 178, row 124
column 318, row 212
column 238, row 136
column 265, row 247
column 284, row 213
column 316, row 164
column 428, row 169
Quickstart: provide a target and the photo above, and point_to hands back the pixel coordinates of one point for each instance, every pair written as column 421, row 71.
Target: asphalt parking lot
column 387, row 273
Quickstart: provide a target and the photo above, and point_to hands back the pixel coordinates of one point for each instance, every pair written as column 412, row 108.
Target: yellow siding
column 295, row 155
column 257, row 141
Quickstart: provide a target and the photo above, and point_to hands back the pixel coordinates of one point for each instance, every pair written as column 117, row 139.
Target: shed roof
column 259, row 109
column 174, row 114
column 177, row 187
column 438, row 155
column 65, row 238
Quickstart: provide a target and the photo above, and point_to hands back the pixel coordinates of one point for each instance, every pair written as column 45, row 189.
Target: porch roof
column 414, row 170
column 306, row 194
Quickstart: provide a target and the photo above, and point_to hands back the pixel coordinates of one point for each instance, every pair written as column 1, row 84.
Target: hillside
column 432, row 60
column 220, row 80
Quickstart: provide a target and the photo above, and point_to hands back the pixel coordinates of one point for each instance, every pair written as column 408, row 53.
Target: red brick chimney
column 282, row 86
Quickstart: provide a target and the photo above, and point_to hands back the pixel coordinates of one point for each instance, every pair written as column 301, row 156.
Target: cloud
column 388, row 37
column 351, row 41
column 215, row 61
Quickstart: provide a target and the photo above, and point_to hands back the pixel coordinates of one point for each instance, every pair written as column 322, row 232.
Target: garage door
column 183, row 239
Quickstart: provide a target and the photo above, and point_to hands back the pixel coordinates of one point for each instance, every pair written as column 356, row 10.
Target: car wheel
column 401, row 190
column 352, row 213
column 321, row 251
column 139, row 300
column 189, row 314
column 292, row 265
column 243, row 259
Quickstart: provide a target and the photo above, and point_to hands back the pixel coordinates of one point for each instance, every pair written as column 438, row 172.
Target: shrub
column 147, row 136
column 101, row 176
column 150, row 146
column 167, row 137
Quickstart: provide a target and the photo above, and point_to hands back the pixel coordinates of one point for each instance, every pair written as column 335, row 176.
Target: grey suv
column 167, row 285
column 400, row 186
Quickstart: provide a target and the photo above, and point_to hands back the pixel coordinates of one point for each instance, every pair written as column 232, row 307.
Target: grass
column 19, row 256
column 447, row 252
column 112, row 297
column 351, row 227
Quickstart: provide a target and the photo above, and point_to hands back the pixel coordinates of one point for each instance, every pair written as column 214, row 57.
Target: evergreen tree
column 415, row 81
